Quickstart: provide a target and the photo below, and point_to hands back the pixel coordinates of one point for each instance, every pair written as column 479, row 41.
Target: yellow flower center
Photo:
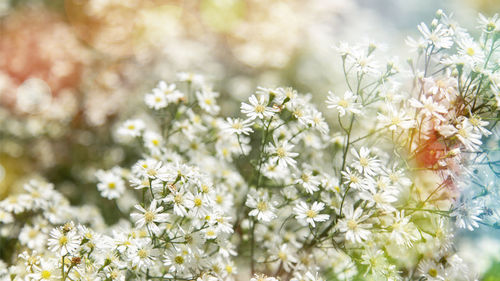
column 46, row 274
column 262, row 206
column 311, row 214
column 63, row 240
column 433, row 272
column 305, row 177
column 142, row 253
column 32, row 233
column 111, row 185
column 197, row 202
column 343, row 103
column 179, row 260
column 281, row 152
column 363, row 161
column 149, row 216
column 260, row 108
column 352, row 224
column 470, row 51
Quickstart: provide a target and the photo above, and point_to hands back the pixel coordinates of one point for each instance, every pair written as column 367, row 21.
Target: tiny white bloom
column 310, row 214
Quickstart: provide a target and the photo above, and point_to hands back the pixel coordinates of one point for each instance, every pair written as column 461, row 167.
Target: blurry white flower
column 111, row 185
column 131, row 128
column 346, row 104
column 206, row 99
column 438, row 36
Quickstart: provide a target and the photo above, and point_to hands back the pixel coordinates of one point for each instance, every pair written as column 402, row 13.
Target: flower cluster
column 283, row 191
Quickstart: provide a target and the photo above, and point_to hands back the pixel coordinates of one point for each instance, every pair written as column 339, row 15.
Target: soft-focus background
column 70, row 70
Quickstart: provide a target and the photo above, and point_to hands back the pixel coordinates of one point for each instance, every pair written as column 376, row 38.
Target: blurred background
column 70, row 70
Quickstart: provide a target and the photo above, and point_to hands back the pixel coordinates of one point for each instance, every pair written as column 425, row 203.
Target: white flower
column 467, row 136
column 182, row 201
column 142, row 254
column 356, row 181
column 438, row 36
column 153, row 141
column 262, row 207
column 156, row 100
column 281, row 153
column 395, row 119
column 352, row 224
column 467, row 215
column 403, row 231
column 131, row 128
column 178, row 260
column 237, row 126
column 382, row 199
column 346, row 104
column 62, row 241
column 32, row 237
column 429, row 108
column 470, row 50
column 110, row 184
column 169, row 91
column 317, row 121
column 308, row 181
column 286, row 254
column 6, row 217
column 310, row 214
column 153, row 169
column 189, row 77
column 364, row 163
column 257, row 108
column 430, row 270
column 206, row 99
column 48, row 269
column 489, row 25
column 479, row 125
column 149, row 217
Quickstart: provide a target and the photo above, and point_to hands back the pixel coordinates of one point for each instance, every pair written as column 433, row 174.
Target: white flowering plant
column 281, row 192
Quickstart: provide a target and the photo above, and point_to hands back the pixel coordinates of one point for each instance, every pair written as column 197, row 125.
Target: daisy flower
column 237, row 126
column 438, row 36
column 470, row 139
column 156, row 100
column 206, row 99
column 395, row 119
column 281, row 153
column 310, row 214
column 110, row 184
column 346, row 104
column 131, row 128
column 48, row 269
column 308, row 181
column 142, row 254
column 169, row 91
column 149, row 217
column 262, row 207
column 352, row 224
column 63, row 242
column 257, row 108
column 364, row 163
